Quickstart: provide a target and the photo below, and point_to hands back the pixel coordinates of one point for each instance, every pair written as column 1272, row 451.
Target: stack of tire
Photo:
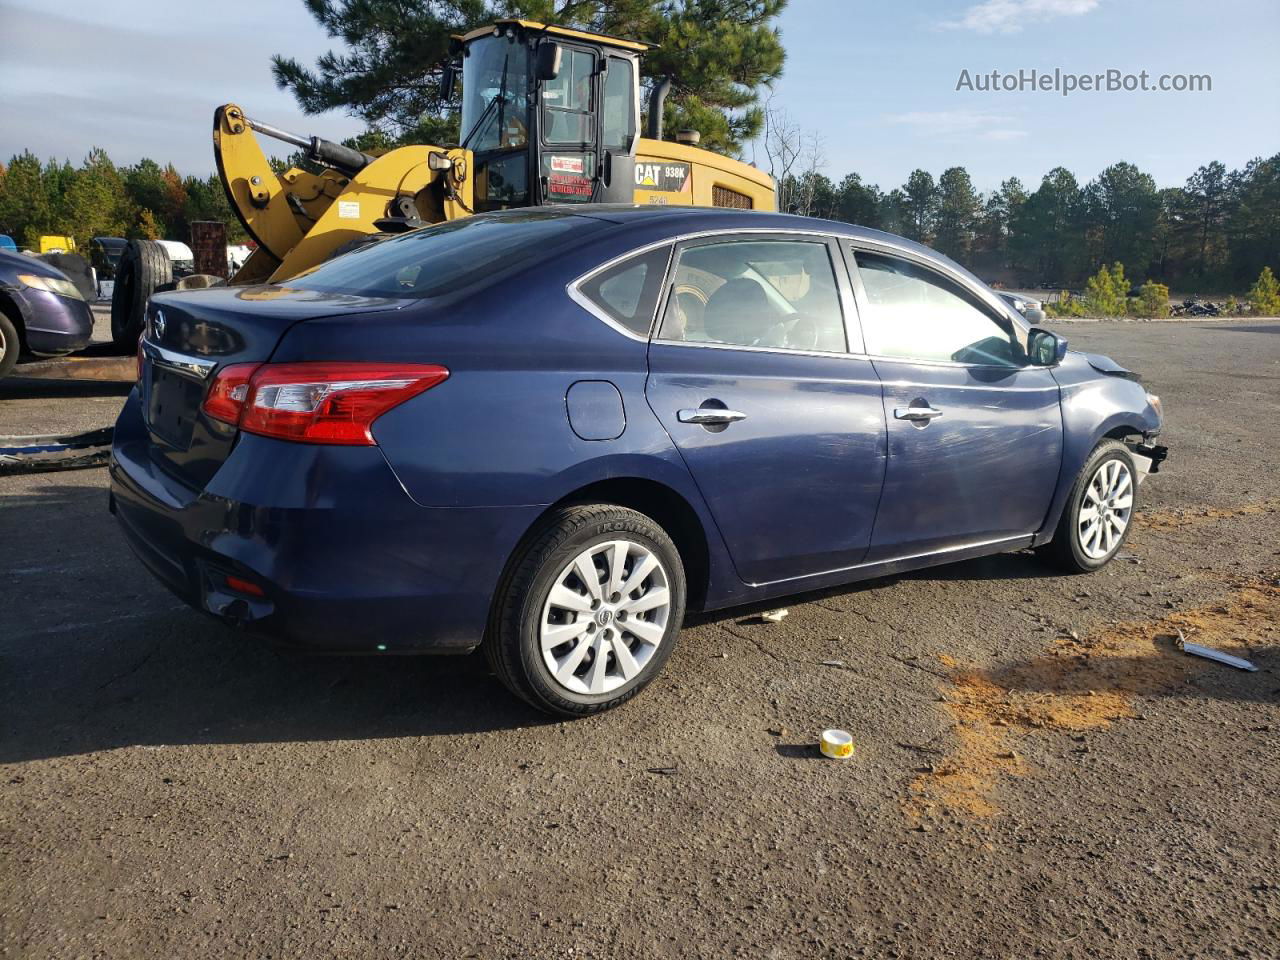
column 144, row 268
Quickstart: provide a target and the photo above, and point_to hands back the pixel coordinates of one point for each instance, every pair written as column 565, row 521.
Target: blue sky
column 876, row 81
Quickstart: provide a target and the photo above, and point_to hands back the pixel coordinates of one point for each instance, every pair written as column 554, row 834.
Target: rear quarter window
column 627, row 293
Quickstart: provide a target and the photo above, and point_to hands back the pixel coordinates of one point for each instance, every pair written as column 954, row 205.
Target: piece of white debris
column 775, row 616
column 1196, row 650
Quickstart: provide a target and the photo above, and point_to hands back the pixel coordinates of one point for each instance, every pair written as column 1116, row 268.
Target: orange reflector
column 244, row 586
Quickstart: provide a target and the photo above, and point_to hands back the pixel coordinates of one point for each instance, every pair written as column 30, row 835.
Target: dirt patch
column 1182, row 519
column 1080, row 683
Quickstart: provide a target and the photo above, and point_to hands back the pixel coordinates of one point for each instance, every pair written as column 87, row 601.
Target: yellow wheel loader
column 550, row 115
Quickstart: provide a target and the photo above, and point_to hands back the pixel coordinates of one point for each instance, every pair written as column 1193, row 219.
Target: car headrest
column 738, row 312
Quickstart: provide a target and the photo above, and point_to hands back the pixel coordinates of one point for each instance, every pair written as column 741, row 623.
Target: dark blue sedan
column 41, row 311
column 550, row 433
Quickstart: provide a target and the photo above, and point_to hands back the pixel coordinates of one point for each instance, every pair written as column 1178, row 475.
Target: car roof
column 692, row 219
column 682, row 220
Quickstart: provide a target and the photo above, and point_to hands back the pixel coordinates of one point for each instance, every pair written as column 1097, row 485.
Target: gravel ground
column 1038, row 773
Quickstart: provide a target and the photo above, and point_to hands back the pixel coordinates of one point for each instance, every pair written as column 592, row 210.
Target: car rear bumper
column 346, row 562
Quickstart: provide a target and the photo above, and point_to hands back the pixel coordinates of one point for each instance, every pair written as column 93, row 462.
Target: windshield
column 437, row 260
column 495, row 95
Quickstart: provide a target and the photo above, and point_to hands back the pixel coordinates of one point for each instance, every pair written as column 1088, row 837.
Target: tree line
column 1215, row 232
column 99, row 199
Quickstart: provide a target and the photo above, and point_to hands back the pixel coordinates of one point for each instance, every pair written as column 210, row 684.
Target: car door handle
column 706, row 415
column 917, row 413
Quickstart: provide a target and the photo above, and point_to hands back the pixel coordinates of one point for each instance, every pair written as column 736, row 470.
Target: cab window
column 915, row 314
column 495, row 95
column 779, row 294
column 566, row 100
column 619, row 105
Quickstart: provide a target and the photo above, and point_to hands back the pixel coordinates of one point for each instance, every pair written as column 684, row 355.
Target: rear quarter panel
column 497, row 433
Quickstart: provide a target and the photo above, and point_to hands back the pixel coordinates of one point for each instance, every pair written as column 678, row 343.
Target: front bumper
column 52, row 325
column 346, row 562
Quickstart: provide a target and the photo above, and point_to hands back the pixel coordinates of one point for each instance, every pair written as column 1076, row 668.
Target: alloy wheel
column 605, row 616
column 1105, row 510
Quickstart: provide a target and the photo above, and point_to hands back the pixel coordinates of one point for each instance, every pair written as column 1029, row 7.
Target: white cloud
column 1010, row 16
column 959, row 124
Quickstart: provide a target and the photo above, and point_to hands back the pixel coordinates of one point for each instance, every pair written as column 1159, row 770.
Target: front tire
column 9, row 346
column 589, row 610
column 1098, row 515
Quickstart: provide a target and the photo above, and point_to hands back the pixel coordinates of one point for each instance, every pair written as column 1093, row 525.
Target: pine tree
column 958, row 208
column 858, row 202
column 25, row 210
column 1106, row 292
column 1264, row 298
column 95, row 203
column 921, row 206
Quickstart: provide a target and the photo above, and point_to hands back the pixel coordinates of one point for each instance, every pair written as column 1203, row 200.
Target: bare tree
column 795, row 157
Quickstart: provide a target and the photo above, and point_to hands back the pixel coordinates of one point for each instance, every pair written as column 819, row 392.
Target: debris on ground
column 1080, row 682
column 775, row 616
column 836, row 744
column 662, row 771
column 1196, row 650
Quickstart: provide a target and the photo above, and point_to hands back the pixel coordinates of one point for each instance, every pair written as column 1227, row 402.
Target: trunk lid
column 191, row 335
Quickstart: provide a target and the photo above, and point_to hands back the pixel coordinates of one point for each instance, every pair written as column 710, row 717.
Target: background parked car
column 41, row 311
column 1029, row 307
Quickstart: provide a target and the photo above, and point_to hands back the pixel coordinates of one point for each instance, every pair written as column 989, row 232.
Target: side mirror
column 1046, row 349
column 448, row 80
column 547, row 64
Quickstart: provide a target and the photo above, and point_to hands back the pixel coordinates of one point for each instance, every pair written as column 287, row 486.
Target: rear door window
column 779, row 294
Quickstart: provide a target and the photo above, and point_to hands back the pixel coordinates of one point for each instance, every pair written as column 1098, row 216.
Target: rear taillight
column 227, row 393
column 316, row 402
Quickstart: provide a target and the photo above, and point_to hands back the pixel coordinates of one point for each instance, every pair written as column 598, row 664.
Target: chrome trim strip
column 188, row 366
column 913, row 556
column 871, row 243
column 582, row 300
column 707, row 344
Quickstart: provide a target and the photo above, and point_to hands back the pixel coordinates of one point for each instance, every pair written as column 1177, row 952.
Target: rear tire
column 1098, row 514
column 144, row 265
column 566, row 645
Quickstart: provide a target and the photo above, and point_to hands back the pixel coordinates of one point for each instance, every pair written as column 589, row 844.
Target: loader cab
column 551, row 115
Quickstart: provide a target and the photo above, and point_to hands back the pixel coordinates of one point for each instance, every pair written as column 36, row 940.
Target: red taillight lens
column 316, row 402
column 228, row 392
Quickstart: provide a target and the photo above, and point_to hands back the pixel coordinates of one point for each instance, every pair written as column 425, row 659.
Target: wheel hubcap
column 605, row 616
column 1105, row 509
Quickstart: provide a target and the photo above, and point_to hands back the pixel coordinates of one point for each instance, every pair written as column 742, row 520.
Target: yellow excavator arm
column 298, row 219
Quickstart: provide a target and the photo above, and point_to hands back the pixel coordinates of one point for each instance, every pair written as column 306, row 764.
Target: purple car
column 548, row 433
column 41, row 311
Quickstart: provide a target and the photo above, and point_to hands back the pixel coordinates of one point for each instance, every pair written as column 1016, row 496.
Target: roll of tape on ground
column 837, row 744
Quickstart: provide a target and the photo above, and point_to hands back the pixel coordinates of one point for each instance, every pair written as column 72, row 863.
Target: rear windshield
column 437, row 260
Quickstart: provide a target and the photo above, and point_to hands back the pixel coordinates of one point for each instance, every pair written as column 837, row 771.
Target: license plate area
column 173, row 402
